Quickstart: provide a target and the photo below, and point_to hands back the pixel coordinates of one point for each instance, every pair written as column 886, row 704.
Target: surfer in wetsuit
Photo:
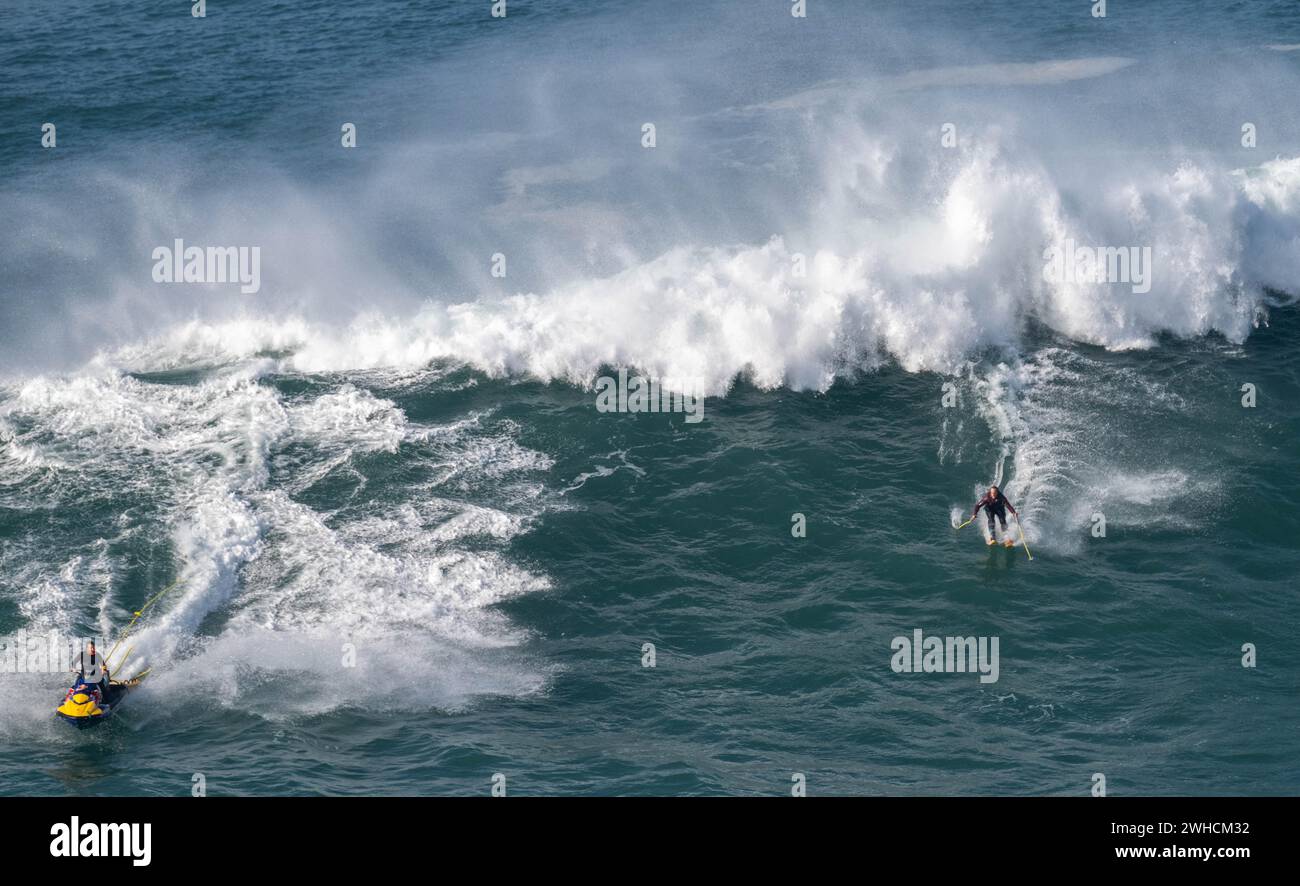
column 90, row 670
column 995, row 504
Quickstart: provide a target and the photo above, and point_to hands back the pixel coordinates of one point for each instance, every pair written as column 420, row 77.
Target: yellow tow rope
column 1018, row 526
column 139, row 612
column 1022, row 537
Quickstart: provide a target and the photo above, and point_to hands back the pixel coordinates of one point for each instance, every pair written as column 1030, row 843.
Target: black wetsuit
column 993, row 507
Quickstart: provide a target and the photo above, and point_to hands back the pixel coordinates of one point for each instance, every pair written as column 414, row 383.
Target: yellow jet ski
column 86, row 705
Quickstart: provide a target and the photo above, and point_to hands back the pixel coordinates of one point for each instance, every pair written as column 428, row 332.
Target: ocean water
column 409, row 553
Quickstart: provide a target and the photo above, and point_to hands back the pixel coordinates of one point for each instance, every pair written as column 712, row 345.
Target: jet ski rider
column 90, row 670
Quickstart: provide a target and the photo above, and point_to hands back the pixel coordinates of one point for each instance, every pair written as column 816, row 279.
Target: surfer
column 995, row 504
column 90, row 670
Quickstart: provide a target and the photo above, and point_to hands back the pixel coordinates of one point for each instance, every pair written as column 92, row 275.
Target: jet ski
column 87, row 705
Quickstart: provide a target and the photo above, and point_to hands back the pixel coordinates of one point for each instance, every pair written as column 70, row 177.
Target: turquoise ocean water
column 388, row 455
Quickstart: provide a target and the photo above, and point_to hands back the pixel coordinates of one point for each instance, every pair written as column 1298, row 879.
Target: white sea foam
column 219, row 458
column 930, row 286
column 1045, row 73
